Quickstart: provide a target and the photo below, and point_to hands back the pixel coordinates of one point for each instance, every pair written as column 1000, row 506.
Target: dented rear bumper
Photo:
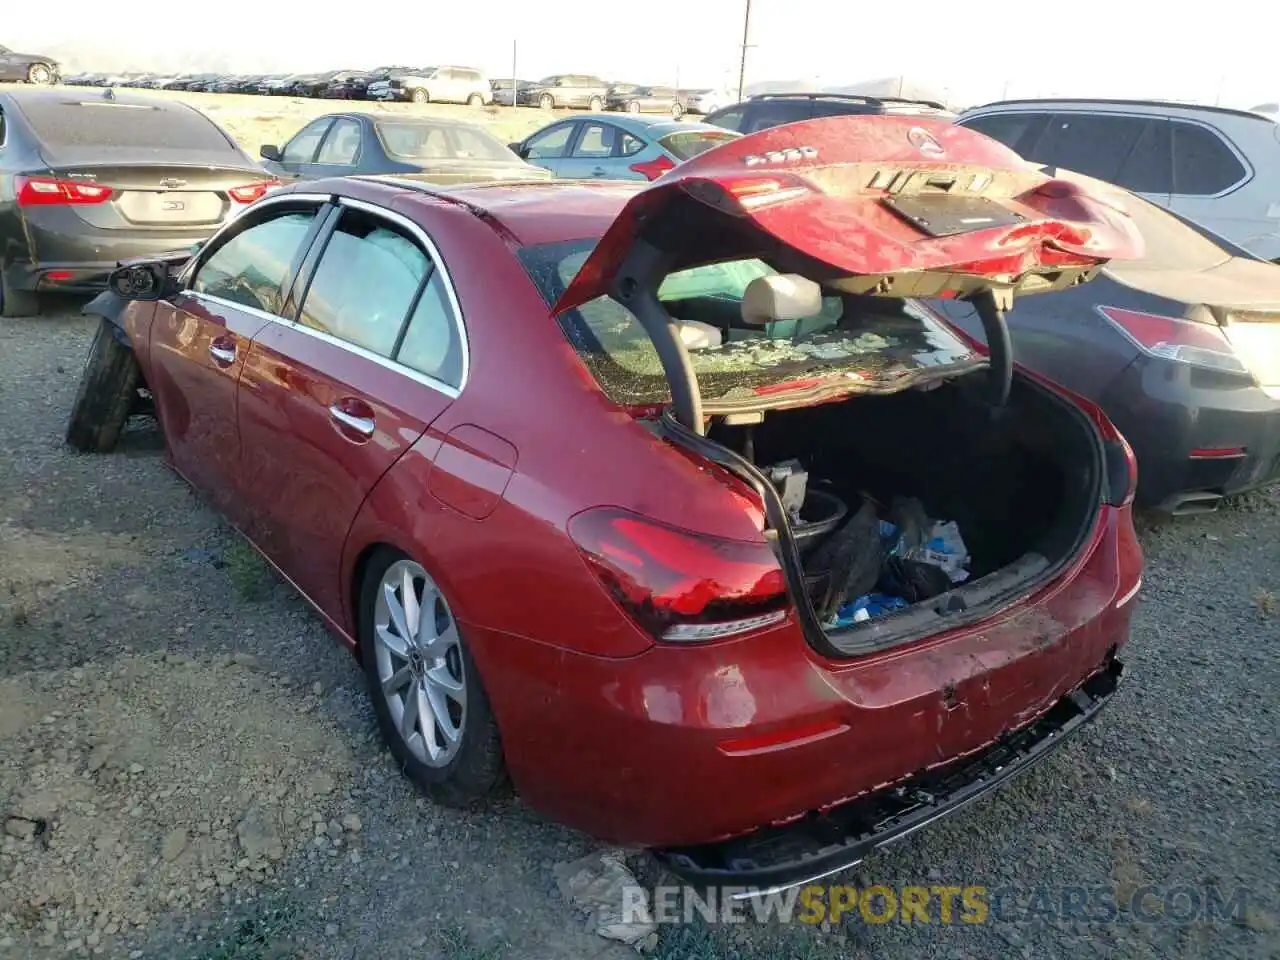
column 776, row 858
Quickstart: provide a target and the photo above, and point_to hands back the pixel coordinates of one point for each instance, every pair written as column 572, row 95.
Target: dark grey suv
column 775, row 109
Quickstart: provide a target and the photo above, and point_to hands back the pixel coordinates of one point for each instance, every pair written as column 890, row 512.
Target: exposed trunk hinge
column 992, row 304
column 635, row 286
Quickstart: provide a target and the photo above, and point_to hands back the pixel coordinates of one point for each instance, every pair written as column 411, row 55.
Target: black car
column 314, row 85
column 645, row 100
column 34, row 68
column 351, row 85
column 775, row 109
column 89, row 179
column 1181, row 349
column 431, row 149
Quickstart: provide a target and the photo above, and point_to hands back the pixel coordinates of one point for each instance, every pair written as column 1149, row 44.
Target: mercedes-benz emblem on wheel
column 925, row 142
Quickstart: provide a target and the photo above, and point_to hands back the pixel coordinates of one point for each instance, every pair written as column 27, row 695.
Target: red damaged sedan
column 676, row 504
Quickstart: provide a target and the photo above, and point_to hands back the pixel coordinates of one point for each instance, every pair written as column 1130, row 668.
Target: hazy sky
column 983, row 50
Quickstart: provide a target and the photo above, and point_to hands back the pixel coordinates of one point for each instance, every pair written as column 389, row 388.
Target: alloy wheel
column 39, row 74
column 420, row 664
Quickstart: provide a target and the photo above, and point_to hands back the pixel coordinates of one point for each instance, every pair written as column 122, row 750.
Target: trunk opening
column 1023, row 489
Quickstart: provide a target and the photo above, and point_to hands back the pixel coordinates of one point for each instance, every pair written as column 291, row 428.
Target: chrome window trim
column 393, row 366
column 202, row 255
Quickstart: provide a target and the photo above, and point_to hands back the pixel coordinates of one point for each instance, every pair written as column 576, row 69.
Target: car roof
column 654, row 125
column 1090, row 102
column 532, row 212
column 110, row 95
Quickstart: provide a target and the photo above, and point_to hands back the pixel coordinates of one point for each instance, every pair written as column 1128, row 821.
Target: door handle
column 222, row 355
column 599, row 172
column 361, row 425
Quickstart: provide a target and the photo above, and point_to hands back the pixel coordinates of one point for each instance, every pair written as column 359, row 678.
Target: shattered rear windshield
column 871, row 342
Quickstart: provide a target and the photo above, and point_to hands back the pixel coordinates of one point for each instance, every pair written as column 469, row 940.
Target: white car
column 1215, row 166
column 435, row 85
column 708, row 101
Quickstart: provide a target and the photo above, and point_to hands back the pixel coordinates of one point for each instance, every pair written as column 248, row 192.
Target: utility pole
column 742, row 64
column 514, row 83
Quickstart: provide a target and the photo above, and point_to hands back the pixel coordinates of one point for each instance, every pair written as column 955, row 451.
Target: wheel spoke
column 446, row 681
column 439, row 644
column 396, row 614
column 412, row 610
column 393, row 643
column 426, row 635
column 412, row 702
column 397, row 681
column 440, row 711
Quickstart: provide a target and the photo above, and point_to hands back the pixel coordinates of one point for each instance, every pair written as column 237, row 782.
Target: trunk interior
column 1021, row 485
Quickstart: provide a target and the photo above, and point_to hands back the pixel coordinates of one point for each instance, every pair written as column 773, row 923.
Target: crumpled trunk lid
column 895, row 206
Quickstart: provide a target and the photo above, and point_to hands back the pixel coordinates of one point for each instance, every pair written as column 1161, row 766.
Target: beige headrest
column 783, row 296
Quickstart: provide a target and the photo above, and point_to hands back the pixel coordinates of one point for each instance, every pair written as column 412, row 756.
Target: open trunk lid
column 896, row 206
column 892, row 207
column 1216, row 282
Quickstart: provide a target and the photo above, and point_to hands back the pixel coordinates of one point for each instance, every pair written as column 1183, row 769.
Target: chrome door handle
column 222, row 354
column 362, row 425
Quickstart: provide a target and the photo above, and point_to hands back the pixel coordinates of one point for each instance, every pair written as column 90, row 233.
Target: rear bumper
column 67, row 255
column 1185, row 424
column 780, row 857
column 682, row 746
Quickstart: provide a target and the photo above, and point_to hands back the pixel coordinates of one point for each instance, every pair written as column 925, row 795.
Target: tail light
column 48, row 192
column 653, row 169
column 1173, row 338
column 679, row 585
column 252, row 191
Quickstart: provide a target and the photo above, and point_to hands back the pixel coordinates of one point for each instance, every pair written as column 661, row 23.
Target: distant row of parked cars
column 439, row 84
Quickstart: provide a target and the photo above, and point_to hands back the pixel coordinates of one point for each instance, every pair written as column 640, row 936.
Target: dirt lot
column 188, row 770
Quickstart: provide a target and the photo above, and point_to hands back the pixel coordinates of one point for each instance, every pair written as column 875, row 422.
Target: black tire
column 547, row 102
column 475, row 100
column 108, row 388
column 39, row 74
column 478, row 770
column 17, row 303
column 420, row 96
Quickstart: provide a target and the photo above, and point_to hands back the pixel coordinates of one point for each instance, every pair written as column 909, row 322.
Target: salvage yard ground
column 189, row 770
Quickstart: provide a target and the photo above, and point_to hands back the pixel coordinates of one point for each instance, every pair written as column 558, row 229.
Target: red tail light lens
column 48, row 192
column 252, row 191
column 679, row 585
column 653, row 169
column 1172, row 338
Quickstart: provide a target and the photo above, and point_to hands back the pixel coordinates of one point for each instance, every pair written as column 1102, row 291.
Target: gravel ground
column 188, row 768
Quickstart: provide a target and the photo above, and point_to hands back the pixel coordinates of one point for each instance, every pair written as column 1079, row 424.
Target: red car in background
column 675, row 502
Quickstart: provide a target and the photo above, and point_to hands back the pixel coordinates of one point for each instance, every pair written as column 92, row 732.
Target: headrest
column 783, row 296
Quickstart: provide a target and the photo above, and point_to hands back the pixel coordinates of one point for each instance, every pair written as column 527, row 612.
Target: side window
column 1017, row 131
column 254, row 266
column 365, row 282
column 630, row 145
column 596, row 141
column 431, row 344
column 302, row 148
column 730, row 119
column 1202, row 164
column 342, row 144
column 773, row 114
column 550, row 145
column 1092, row 144
column 1149, row 168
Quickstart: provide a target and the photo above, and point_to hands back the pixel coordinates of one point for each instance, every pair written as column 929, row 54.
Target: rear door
column 200, row 338
column 330, row 400
column 592, row 153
